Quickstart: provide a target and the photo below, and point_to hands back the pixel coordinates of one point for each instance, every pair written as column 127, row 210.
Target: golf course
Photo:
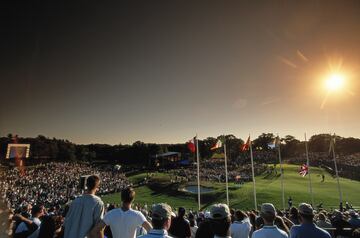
column 159, row 188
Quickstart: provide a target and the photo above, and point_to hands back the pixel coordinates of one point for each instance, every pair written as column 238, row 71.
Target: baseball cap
column 161, row 211
column 306, row 209
column 268, row 208
column 219, row 211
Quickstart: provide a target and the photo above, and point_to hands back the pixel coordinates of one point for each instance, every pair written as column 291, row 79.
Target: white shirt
column 240, row 229
column 123, row 224
column 269, row 231
column 156, row 234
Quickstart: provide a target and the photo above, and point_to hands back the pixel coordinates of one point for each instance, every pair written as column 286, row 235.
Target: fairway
column 268, row 190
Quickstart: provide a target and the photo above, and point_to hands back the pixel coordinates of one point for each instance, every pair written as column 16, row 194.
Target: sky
column 163, row 71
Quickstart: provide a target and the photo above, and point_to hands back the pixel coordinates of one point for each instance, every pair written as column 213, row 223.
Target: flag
column 246, row 145
column 304, row 170
column 191, row 145
column 217, row 145
column 275, row 143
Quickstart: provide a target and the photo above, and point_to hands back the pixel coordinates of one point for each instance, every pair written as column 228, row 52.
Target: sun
column 335, row 82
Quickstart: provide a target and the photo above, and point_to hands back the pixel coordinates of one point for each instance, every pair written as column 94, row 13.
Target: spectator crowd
column 47, row 202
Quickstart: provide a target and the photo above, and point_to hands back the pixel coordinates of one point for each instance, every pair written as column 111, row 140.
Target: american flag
column 304, row 170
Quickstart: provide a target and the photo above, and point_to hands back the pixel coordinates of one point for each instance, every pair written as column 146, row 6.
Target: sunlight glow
column 335, row 82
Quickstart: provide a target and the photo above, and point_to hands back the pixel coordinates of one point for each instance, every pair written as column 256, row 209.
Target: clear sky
column 161, row 71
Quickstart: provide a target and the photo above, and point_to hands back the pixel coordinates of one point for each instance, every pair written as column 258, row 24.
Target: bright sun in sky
column 334, row 82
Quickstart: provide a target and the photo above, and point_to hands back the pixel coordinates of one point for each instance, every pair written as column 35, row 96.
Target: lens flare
column 334, row 82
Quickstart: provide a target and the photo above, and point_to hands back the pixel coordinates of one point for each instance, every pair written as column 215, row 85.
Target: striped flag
column 246, row 145
column 217, row 145
column 304, row 170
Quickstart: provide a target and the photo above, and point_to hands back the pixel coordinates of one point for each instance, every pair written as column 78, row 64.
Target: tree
column 263, row 141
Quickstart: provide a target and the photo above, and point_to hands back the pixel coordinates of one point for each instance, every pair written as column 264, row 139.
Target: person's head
column 268, row 213
column 191, row 220
column 181, row 212
column 240, row 215
column 93, row 183
column 128, row 195
column 220, row 219
column 294, row 212
column 322, row 216
column 353, row 214
column 48, row 227
column 161, row 216
column 37, row 211
column 306, row 212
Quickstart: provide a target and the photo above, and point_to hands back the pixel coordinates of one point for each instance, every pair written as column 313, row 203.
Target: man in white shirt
column 161, row 221
column 268, row 213
column 122, row 221
column 241, row 227
column 84, row 211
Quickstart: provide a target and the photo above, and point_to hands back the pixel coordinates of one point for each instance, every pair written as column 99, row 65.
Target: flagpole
column 308, row 167
column 336, row 169
column 226, row 175
column 198, row 171
column 281, row 172
column 253, row 174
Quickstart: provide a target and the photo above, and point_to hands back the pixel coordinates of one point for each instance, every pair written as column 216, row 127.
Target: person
column 160, row 220
column 29, row 227
column 220, row 220
column 280, row 223
column 268, row 214
column 339, row 222
column 204, row 229
column 85, row 211
column 49, row 227
column 290, row 202
column 322, row 222
column 241, row 227
column 180, row 227
column 123, row 221
column 193, row 226
column 294, row 216
column 354, row 220
column 307, row 228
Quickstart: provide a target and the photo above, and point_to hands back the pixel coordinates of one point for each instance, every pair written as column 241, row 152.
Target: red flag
column 304, row 170
column 191, row 145
column 246, row 145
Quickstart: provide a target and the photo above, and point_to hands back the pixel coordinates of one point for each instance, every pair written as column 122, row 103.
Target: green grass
column 268, row 190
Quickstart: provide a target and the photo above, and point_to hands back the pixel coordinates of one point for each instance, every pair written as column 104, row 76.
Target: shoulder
column 257, row 233
column 135, row 213
column 97, row 199
column 295, row 228
column 283, row 233
column 325, row 233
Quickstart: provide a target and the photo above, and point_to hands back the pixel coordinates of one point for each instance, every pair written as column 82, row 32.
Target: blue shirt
column 308, row 230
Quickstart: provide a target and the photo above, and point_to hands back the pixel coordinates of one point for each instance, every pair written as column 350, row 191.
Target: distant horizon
column 308, row 136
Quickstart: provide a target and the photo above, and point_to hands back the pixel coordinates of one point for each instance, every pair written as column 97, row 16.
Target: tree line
column 44, row 148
